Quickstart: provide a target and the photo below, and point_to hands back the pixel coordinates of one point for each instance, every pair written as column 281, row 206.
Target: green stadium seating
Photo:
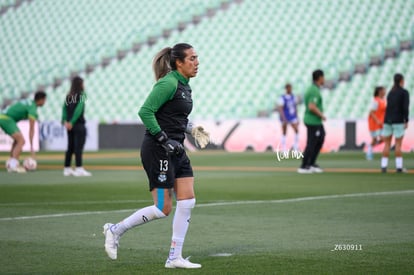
column 358, row 93
column 247, row 51
column 48, row 39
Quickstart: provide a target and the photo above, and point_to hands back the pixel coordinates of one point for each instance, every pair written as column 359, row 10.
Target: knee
column 398, row 152
column 167, row 210
column 188, row 203
column 20, row 141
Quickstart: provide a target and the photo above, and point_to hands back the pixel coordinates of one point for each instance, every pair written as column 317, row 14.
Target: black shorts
column 161, row 169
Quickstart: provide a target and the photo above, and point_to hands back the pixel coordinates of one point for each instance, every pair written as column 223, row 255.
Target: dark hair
column 76, row 88
column 288, row 85
column 378, row 90
column 39, row 95
column 165, row 60
column 317, row 74
column 397, row 81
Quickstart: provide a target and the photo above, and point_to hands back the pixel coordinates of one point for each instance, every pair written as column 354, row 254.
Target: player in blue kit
column 287, row 107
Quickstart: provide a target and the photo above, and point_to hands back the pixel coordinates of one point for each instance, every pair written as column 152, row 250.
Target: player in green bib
column 313, row 121
column 21, row 110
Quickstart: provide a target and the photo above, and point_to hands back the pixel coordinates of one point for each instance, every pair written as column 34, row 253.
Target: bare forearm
column 281, row 113
column 316, row 111
column 374, row 117
column 31, row 135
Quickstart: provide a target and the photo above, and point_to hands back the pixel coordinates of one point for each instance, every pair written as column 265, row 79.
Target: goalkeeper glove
column 202, row 138
column 171, row 146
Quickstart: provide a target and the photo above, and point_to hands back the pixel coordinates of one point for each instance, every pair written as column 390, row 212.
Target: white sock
column 13, row 163
column 296, row 145
column 141, row 216
column 283, row 143
column 384, row 162
column 399, row 162
column 180, row 226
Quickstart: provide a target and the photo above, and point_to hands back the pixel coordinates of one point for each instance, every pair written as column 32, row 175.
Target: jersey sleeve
column 374, row 105
column 313, row 96
column 162, row 91
column 32, row 112
column 280, row 101
column 406, row 104
column 78, row 111
column 314, row 99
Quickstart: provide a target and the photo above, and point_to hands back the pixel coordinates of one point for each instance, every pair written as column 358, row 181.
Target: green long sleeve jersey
column 73, row 109
column 167, row 106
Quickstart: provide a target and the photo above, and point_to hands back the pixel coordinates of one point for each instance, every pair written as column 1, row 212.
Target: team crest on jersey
column 162, row 177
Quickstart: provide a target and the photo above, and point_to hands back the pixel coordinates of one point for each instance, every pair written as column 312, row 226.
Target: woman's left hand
column 68, row 126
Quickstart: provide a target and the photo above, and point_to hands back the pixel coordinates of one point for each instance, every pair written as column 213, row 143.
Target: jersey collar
column 316, row 85
column 180, row 77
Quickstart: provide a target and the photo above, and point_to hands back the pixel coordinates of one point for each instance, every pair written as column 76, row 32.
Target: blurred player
column 165, row 115
column 395, row 122
column 376, row 119
column 313, row 121
column 21, row 110
column 74, row 121
column 288, row 115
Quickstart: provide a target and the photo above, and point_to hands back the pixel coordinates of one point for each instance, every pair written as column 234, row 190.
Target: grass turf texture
column 245, row 208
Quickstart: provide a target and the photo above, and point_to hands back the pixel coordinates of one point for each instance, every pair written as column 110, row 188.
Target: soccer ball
column 30, row 164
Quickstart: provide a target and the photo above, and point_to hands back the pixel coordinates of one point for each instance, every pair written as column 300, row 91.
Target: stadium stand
column 248, row 50
column 352, row 99
column 45, row 40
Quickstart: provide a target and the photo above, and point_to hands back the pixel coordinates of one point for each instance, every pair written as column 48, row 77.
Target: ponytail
column 76, row 87
column 161, row 63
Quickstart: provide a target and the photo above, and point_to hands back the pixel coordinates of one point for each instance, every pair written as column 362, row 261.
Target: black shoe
column 401, row 170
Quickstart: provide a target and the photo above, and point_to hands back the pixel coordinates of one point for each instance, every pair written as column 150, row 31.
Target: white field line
column 313, row 198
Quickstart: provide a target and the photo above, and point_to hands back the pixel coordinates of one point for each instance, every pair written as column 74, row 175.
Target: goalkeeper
column 165, row 115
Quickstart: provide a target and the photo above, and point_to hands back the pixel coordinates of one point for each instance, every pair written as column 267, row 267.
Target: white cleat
column 316, row 169
column 81, row 172
column 111, row 242
column 18, row 169
column 181, row 263
column 305, row 171
column 68, row 172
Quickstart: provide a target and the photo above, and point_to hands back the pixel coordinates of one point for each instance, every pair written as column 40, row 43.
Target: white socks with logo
column 180, row 226
column 141, row 216
column 180, row 223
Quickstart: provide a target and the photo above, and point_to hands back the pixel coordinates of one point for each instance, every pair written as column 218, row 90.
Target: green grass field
column 254, row 215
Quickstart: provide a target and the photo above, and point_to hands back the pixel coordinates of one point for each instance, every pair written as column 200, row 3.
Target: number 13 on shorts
column 163, row 165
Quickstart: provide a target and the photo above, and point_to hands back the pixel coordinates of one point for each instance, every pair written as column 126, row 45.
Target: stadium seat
column 248, row 50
